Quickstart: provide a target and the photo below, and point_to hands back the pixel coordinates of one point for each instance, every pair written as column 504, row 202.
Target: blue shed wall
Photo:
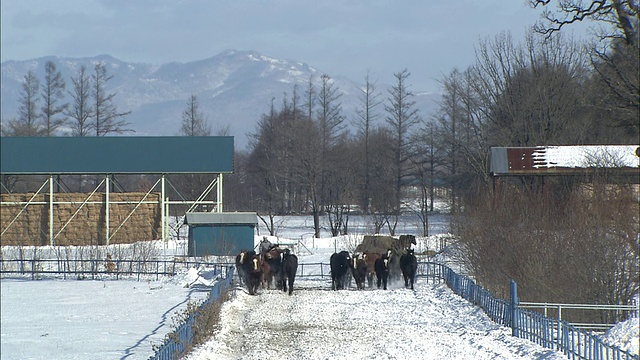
column 220, row 239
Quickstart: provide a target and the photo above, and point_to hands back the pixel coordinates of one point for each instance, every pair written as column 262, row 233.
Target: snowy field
column 58, row 319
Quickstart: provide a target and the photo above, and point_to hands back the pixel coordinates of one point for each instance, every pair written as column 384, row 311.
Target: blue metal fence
column 531, row 325
column 182, row 338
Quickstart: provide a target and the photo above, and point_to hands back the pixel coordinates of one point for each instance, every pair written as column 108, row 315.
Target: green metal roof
column 226, row 218
column 115, row 155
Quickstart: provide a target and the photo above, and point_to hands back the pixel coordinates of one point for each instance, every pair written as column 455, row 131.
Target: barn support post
column 167, row 214
column 219, row 194
column 51, row 217
column 106, row 209
column 44, row 184
column 163, row 219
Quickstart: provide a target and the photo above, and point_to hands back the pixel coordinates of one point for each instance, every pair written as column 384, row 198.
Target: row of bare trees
column 304, row 160
column 45, row 111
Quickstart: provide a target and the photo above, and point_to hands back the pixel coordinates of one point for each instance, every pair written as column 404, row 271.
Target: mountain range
column 234, row 89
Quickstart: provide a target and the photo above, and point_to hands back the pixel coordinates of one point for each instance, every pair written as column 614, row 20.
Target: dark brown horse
column 271, row 262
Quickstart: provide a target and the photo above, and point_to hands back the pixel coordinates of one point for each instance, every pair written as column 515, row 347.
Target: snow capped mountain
column 234, row 89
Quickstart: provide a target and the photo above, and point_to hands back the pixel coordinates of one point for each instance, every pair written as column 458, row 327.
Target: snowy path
column 430, row 323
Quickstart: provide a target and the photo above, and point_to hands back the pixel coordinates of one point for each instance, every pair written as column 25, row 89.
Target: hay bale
column 381, row 243
column 376, row 244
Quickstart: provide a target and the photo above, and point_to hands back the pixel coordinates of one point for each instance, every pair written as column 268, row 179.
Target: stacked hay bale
column 82, row 216
column 381, row 243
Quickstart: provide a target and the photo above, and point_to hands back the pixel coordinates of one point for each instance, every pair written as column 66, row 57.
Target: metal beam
column 24, row 208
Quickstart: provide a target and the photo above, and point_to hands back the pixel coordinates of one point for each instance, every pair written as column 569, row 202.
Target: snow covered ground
column 70, row 319
column 112, row 319
column 317, row 323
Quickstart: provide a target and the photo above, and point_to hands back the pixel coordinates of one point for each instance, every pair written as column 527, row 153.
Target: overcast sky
column 338, row 37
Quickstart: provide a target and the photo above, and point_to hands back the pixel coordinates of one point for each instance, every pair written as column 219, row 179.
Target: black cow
column 339, row 263
column 360, row 271
column 409, row 266
column 252, row 271
column 382, row 271
column 288, row 269
column 395, row 273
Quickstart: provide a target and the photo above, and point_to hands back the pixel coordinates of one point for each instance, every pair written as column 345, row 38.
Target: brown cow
column 370, row 260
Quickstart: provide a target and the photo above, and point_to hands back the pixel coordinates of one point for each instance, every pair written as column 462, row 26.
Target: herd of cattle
column 385, row 267
column 273, row 264
column 256, row 269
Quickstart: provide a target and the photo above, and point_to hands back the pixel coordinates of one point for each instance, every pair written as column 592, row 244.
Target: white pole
column 166, row 226
column 219, row 193
column 106, row 210
column 163, row 219
column 51, row 239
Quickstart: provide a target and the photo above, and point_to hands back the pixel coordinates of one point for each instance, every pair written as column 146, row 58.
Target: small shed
column 212, row 233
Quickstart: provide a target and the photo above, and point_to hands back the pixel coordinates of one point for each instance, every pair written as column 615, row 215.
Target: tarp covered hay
column 381, row 243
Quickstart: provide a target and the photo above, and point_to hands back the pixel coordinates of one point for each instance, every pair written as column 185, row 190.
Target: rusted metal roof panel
column 550, row 160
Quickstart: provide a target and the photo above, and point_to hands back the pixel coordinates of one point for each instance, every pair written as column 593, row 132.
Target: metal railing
column 181, row 339
column 531, row 325
column 100, row 269
column 621, row 311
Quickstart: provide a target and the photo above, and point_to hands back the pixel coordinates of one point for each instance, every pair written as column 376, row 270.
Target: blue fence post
column 514, row 306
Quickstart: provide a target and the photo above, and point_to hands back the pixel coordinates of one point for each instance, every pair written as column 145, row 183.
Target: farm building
column 104, row 211
column 213, row 233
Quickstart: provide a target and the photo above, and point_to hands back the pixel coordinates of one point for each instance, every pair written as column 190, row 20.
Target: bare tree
column 622, row 14
column 330, row 124
column 402, row 116
column 425, row 160
column 383, row 176
column 617, row 91
column 27, row 123
column 52, row 95
column 310, row 98
column 105, row 115
column 193, row 123
column 366, row 117
column 614, row 60
column 461, row 133
column 263, row 167
column 193, row 120
column 533, row 93
column 80, row 110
